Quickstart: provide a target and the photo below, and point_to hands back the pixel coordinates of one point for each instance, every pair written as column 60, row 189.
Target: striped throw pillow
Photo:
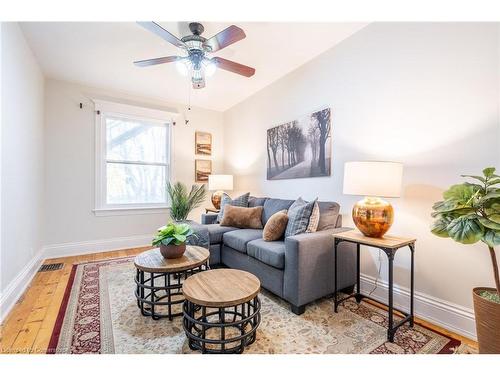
column 298, row 217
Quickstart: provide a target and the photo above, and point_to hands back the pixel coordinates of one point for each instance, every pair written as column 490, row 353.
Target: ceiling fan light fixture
column 210, row 67
column 183, row 66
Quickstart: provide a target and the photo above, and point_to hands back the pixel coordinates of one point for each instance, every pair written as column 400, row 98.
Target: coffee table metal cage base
column 158, row 294
column 222, row 330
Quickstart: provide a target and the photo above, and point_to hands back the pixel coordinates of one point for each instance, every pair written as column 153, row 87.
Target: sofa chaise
column 299, row 268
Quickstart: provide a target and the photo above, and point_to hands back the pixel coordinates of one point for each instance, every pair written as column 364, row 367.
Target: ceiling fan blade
column 158, row 60
column 225, row 38
column 234, row 67
column 162, row 33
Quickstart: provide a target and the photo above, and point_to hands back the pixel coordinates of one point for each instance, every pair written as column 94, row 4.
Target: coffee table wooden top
column 390, row 242
column 221, row 288
column 153, row 261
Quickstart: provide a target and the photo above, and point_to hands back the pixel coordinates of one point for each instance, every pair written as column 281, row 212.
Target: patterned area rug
column 99, row 314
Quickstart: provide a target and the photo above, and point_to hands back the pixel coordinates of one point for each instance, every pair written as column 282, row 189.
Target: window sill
column 124, row 211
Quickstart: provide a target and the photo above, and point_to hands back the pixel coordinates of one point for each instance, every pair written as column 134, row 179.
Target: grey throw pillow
column 241, row 201
column 298, row 217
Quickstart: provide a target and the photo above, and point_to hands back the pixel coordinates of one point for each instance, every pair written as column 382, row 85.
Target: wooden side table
column 389, row 245
column 159, row 280
column 211, row 209
column 221, row 310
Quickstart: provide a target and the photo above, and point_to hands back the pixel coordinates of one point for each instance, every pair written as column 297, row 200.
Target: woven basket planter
column 487, row 322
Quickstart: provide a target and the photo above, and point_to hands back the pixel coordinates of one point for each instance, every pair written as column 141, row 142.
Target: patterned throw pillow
column 314, row 219
column 241, row 201
column 298, row 217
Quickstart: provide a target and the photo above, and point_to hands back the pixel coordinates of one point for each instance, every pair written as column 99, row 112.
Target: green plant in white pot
column 172, row 238
column 469, row 213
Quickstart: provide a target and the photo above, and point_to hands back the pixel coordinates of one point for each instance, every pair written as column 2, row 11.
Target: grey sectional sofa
column 298, row 269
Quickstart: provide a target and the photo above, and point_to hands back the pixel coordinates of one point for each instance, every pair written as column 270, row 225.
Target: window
column 132, row 159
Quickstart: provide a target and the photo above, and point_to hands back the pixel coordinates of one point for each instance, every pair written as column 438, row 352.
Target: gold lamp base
column 216, row 198
column 373, row 216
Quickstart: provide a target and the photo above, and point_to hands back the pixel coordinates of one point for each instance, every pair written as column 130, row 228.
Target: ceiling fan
column 196, row 50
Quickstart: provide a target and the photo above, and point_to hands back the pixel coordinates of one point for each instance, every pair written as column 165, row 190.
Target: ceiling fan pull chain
column 189, row 103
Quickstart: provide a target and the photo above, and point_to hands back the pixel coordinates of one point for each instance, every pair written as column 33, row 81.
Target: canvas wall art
column 202, row 168
column 203, row 143
column 300, row 148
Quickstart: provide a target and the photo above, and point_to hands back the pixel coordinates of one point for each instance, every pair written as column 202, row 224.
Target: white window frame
column 104, row 109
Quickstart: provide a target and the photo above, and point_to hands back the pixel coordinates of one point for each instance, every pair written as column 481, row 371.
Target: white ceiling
column 100, row 54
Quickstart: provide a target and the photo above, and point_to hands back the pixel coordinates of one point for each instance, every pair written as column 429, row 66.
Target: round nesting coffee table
column 159, row 280
column 221, row 310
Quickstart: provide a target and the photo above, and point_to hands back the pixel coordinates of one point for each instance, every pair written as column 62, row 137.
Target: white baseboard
column 448, row 315
column 88, row 247
column 16, row 287
column 453, row 317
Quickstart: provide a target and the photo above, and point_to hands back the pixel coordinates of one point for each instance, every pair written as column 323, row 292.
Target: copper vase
column 373, row 216
column 216, row 198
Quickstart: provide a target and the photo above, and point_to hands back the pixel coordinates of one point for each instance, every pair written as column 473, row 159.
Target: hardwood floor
column 29, row 325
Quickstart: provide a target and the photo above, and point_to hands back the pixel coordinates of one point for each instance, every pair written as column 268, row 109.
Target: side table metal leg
column 412, row 284
column 153, row 291
column 169, row 296
column 335, row 268
column 142, row 293
column 390, row 331
column 222, row 318
column 358, row 274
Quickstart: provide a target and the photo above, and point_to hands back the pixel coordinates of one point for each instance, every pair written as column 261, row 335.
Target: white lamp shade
column 373, row 178
column 220, row 182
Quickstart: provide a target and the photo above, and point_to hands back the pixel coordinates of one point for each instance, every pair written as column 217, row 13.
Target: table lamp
column 372, row 215
column 218, row 183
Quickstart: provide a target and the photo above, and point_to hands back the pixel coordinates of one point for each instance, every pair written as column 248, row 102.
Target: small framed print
column 203, row 143
column 202, row 168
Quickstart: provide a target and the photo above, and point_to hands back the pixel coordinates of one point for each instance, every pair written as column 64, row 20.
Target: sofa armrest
column 309, row 266
column 208, row 218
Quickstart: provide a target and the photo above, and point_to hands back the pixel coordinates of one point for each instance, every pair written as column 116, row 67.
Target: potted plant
column 470, row 212
column 183, row 202
column 172, row 238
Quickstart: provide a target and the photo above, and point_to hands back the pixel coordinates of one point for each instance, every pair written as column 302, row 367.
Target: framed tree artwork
column 202, row 168
column 300, row 148
column 203, row 143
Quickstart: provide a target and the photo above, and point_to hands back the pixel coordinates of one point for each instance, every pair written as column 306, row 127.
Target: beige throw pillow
column 242, row 217
column 275, row 226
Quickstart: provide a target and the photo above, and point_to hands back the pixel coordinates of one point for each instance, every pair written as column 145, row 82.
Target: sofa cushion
column 270, row 253
column 215, row 232
column 299, row 214
column 272, row 205
column 254, row 201
column 241, row 201
column 238, row 239
column 328, row 215
column 242, row 217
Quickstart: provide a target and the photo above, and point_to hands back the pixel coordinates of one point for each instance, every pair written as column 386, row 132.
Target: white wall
column 21, row 156
column 423, row 94
column 69, row 155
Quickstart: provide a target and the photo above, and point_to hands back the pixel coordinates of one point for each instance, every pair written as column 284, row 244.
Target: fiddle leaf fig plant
column 470, row 212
